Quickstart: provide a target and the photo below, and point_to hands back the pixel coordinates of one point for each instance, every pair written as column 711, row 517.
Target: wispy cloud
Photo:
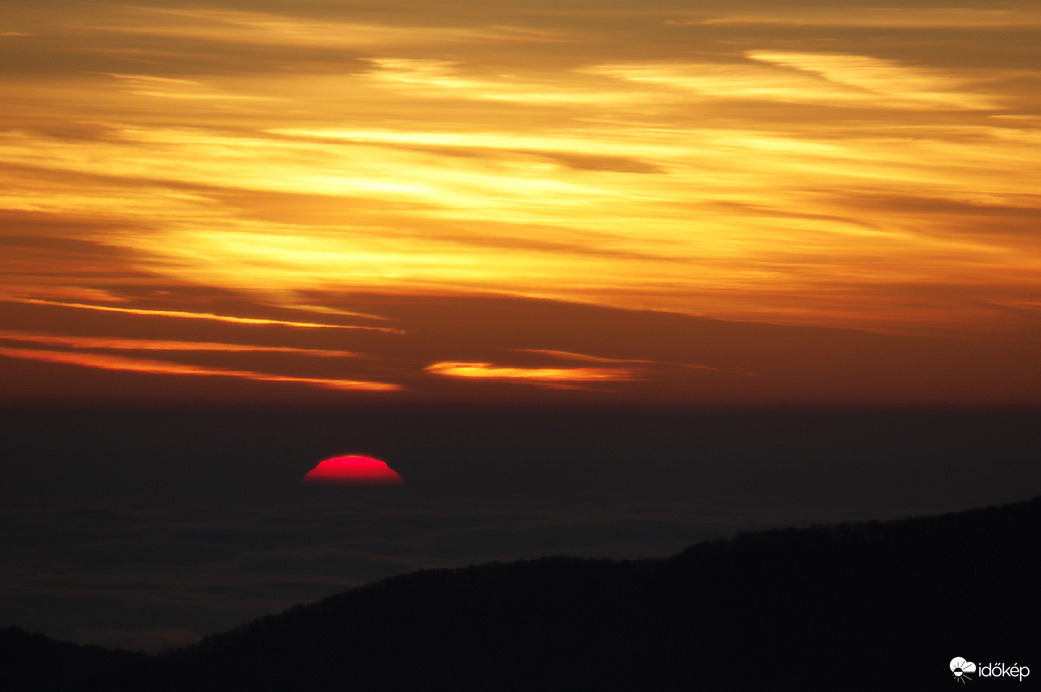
column 440, row 78
column 182, row 314
column 568, row 355
column 879, row 17
column 898, row 84
column 121, row 344
column 543, row 376
column 158, row 367
column 820, row 78
column 283, row 29
column 649, row 369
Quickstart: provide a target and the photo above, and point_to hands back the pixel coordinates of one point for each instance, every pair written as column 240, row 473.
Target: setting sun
column 601, row 280
column 360, row 470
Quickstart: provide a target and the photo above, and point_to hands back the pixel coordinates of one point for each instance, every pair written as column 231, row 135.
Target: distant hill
column 38, row 663
column 872, row 605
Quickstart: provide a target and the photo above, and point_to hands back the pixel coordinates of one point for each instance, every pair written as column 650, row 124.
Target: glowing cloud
column 568, row 355
column 880, row 17
column 114, row 343
column 197, row 315
column 534, row 375
column 158, row 367
column 353, row 469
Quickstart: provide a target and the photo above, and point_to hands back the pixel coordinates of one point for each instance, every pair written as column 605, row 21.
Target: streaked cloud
column 440, row 78
column 122, row 344
column 881, row 17
column 264, row 28
column 665, row 368
column 820, row 78
column 158, row 367
column 183, row 314
column 544, row 376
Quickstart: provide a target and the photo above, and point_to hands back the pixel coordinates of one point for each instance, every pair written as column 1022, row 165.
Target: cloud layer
column 174, row 345
column 740, row 163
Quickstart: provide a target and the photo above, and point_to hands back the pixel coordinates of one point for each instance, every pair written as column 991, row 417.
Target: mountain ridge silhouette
column 851, row 606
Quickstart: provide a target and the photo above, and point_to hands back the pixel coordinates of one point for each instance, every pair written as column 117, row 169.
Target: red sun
column 353, row 469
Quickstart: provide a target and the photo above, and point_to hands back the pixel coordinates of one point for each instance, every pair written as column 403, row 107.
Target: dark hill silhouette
column 873, row 605
column 41, row 664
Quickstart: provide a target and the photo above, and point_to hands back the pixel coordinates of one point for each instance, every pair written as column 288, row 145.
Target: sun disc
column 355, row 469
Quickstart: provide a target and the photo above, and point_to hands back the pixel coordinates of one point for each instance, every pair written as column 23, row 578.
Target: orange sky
column 279, row 199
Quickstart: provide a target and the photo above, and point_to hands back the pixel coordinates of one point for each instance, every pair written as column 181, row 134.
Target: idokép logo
column 961, row 670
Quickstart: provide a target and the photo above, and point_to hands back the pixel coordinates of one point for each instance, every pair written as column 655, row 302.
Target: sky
column 597, row 278
column 670, row 202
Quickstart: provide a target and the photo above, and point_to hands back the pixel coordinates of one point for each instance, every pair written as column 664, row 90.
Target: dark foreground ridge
column 873, row 605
